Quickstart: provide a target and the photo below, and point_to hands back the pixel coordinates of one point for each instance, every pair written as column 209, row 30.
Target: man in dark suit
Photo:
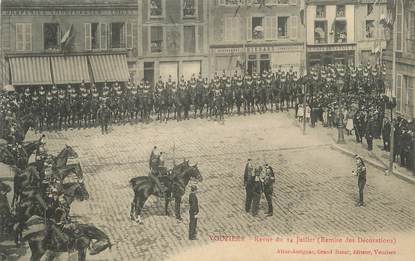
column 361, row 178
column 193, row 212
column 248, row 184
column 268, row 182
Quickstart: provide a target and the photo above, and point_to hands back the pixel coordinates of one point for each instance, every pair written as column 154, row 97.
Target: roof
column 57, row 3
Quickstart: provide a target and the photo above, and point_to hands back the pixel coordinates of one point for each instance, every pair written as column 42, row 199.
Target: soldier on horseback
column 41, row 156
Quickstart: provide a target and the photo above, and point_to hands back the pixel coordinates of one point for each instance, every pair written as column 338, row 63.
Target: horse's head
column 70, row 152
column 80, row 192
column 195, row 173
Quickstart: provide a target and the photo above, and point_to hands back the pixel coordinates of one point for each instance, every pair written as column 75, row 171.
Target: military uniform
column 248, row 184
column 193, row 213
column 104, row 115
column 361, row 178
column 268, row 180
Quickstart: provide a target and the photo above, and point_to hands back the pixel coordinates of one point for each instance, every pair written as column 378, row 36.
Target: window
column 407, row 96
column 156, row 37
column 104, row 36
column 283, row 2
column 369, row 9
column 257, row 28
column 156, row 8
column 399, row 93
column 231, row 2
column 340, row 32
column 232, row 29
column 23, row 37
column 411, row 43
column 399, row 25
column 282, row 27
column 51, row 36
column 92, row 36
column 117, row 35
column 321, row 11
column 189, row 8
column 340, row 11
column 320, row 32
column 149, row 71
column 370, row 29
column 189, row 36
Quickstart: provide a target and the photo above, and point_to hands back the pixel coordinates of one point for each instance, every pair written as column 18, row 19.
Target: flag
column 66, row 36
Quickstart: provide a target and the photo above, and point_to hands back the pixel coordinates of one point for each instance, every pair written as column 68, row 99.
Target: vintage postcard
column 226, row 130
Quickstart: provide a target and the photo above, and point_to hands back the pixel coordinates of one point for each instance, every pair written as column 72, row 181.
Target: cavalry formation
column 43, row 192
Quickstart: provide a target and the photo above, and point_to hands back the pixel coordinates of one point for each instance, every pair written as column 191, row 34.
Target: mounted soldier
column 41, row 156
column 94, row 100
column 64, row 109
column 51, row 110
column 229, row 96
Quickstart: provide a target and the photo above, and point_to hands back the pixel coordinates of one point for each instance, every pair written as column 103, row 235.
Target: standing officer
column 268, row 182
column 104, row 116
column 248, row 184
column 193, row 212
column 386, row 133
column 257, row 191
column 361, row 177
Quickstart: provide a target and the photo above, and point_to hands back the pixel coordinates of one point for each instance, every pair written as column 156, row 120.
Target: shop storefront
column 331, row 54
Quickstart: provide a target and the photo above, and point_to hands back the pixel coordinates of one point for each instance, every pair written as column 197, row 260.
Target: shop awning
column 30, row 70
column 69, row 69
column 109, row 68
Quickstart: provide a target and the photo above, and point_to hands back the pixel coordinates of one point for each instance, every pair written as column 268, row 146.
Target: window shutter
column 87, row 36
column 130, row 33
column 19, row 37
column 237, row 26
column 249, row 28
column 399, row 92
column 274, row 28
column 109, row 36
column 104, row 36
column 293, row 24
column 123, row 36
column 28, row 37
column 221, row 2
column 268, row 27
column 227, row 29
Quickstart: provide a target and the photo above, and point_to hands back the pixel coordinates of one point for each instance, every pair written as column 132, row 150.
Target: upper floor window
column 257, row 28
column 156, row 38
column 320, row 32
column 51, row 36
column 189, row 36
column 117, row 37
column 189, row 8
column 92, row 36
column 321, row 11
column 282, row 26
column 340, row 11
column 340, row 32
column 231, row 2
column 411, row 44
column 23, row 37
column 156, row 8
column 369, row 8
column 370, row 29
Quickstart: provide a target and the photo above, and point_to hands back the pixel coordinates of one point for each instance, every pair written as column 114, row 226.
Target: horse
column 175, row 185
column 199, row 100
column 74, row 191
column 23, row 124
column 62, row 158
column 230, row 100
column 21, row 158
column 74, row 237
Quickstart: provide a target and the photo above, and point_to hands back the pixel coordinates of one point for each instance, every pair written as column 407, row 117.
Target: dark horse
column 21, row 161
column 175, row 184
column 78, row 237
column 24, row 123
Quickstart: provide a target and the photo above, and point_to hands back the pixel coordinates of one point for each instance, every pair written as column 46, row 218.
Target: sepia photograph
column 217, row 130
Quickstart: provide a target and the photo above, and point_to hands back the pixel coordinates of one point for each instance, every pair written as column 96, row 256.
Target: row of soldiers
column 77, row 106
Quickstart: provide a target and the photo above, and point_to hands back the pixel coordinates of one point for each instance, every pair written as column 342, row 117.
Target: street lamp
column 340, row 85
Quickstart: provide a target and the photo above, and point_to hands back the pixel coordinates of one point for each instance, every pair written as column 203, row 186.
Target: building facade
column 330, row 32
column 405, row 58
column 253, row 36
column 46, row 42
column 173, row 37
column 370, row 33
column 347, row 32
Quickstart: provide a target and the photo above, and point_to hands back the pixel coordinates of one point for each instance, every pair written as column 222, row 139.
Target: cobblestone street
column 315, row 192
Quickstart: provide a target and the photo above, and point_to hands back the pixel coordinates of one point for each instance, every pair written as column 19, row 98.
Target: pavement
column 315, row 192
